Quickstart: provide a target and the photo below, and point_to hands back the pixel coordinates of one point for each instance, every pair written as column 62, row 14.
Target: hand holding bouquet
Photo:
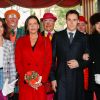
column 33, row 79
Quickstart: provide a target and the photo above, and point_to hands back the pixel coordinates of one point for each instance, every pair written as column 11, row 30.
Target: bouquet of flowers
column 32, row 77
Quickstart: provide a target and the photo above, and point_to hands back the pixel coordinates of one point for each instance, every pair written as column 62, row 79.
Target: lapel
column 65, row 37
column 75, row 37
column 37, row 45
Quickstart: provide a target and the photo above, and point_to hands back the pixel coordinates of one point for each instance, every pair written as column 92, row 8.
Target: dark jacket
column 69, row 81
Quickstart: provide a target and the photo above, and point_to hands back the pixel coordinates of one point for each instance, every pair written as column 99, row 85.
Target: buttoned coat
column 69, row 81
column 38, row 60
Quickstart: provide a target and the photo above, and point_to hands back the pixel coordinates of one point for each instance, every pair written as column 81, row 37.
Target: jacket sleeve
column 18, row 57
column 53, row 66
column 48, row 60
column 84, row 63
column 12, row 69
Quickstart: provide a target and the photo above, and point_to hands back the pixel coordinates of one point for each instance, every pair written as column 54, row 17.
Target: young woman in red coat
column 33, row 53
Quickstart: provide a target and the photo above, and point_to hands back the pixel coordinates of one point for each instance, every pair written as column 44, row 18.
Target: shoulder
column 20, row 29
column 81, row 35
column 22, row 39
column 57, row 33
column 8, row 42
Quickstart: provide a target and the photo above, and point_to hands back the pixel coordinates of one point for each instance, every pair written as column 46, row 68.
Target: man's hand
column 54, row 85
column 73, row 64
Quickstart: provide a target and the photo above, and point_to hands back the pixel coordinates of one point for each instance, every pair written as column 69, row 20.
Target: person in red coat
column 33, row 52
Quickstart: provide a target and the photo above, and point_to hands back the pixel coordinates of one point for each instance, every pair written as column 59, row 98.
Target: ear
column 78, row 20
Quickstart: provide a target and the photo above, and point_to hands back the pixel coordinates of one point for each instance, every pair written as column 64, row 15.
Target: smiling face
column 48, row 24
column 12, row 21
column 81, row 26
column 1, row 29
column 72, row 21
column 32, row 26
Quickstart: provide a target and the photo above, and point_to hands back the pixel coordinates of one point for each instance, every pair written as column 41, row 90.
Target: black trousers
column 97, row 91
column 88, row 94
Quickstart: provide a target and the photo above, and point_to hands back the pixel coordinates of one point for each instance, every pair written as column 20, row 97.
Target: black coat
column 94, row 41
column 69, row 81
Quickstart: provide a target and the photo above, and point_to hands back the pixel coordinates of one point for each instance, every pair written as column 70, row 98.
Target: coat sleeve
column 48, row 60
column 84, row 63
column 12, row 69
column 53, row 66
column 18, row 57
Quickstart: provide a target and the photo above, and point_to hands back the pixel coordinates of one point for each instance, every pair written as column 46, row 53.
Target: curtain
column 38, row 3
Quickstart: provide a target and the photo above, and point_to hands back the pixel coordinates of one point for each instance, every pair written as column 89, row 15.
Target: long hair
column 26, row 23
column 5, row 27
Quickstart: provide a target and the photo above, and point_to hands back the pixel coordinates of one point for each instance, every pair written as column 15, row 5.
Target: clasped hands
column 36, row 86
column 72, row 63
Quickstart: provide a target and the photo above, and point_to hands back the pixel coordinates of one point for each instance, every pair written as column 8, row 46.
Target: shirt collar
column 68, row 31
column 52, row 32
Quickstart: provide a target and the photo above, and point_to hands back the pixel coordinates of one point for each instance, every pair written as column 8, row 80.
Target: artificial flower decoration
column 32, row 77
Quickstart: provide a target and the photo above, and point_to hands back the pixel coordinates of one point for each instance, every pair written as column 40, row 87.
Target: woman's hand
column 36, row 86
column 86, row 56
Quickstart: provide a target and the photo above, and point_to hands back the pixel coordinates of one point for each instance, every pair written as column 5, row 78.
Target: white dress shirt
column 68, row 31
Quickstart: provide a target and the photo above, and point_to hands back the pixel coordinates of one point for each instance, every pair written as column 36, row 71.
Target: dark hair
column 5, row 28
column 72, row 12
column 26, row 23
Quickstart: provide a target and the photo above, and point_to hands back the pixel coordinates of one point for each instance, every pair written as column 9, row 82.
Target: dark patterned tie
column 71, row 37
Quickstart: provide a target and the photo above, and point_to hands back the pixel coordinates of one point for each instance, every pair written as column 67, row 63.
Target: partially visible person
column 94, row 40
column 33, row 53
column 87, row 70
column 82, row 24
column 66, row 74
column 12, row 17
column 13, row 33
column 48, row 21
column 7, row 59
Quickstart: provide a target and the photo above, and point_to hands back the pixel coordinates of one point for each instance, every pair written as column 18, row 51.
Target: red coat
column 39, row 60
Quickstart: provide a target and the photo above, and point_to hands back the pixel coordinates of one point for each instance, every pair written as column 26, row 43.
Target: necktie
column 71, row 37
column 49, row 35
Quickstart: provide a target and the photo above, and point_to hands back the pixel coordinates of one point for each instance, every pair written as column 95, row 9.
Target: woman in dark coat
column 95, row 52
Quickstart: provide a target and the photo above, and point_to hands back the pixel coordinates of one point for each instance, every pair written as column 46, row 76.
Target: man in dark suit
column 66, row 74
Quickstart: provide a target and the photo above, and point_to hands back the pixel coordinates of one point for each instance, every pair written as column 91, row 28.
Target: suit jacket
column 20, row 32
column 9, row 70
column 70, row 81
column 38, row 60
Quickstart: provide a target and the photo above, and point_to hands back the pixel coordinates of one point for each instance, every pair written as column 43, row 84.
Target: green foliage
column 61, row 16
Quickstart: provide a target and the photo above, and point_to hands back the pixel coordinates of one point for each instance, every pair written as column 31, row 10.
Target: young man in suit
column 66, row 74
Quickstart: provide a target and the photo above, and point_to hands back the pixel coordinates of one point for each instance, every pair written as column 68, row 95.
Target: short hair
column 72, row 12
column 26, row 23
